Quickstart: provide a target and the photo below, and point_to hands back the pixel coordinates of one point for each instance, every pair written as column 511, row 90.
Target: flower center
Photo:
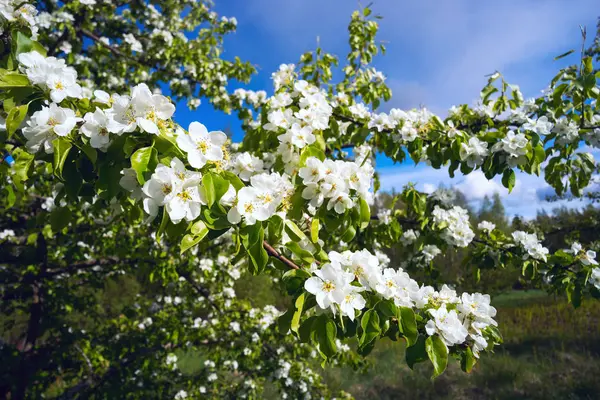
column 185, row 196
column 328, row 286
column 203, row 146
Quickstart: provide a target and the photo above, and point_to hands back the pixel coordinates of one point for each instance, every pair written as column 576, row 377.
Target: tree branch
column 274, row 253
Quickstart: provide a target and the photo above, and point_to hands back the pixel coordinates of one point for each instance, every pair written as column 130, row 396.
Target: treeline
column 558, row 228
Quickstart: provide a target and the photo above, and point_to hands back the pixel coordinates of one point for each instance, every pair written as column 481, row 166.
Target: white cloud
column 527, row 198
column 438, row 51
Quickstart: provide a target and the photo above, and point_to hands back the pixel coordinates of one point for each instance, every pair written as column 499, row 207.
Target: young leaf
column 370, row 326
column 437, row 353
column 15, row 117
column 141, row 159
column 61, row 151
column 325, row 334
column 409, row 325
column 314, row 230
column 508, row 179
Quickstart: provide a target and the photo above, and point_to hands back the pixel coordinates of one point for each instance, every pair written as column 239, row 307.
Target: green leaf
column 23, row 44
column 299, row 305
column 15, row 117
column 11, row 198
column 61, row 151
column 295, row 233
column 233, row 179
column 13, row 79
column 325, row 334
column 190, row 240
column 306, row 329
column 163, row 224
column 252, row 240
column 301, row 253
column 349, row 234
column 564, row 55
column 142, row 159
column 214, row 187
column 387, row 309
column 468, row 360
column 284, row 322
column 314, row 230
column 588, row 65
column 416, row 353
column 370, row 326
column 437, row 353
column 408, row 322
column 365, row 214
column 311, row 151
column 508, row 179
column 293, row 280
column 60, row 218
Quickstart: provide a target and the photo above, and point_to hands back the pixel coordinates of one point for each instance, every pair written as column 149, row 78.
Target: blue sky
column 439, row 52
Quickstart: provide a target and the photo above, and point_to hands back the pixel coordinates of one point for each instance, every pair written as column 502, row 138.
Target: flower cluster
column 48, row 124
column 531, row 244
column 474, row 152
column 515, row 147
column 457, row 230
column 337, row 181
column 459, row 318
column 177, row 189
column 299, row 126
column 265, row 196
column 17, row 10
column 338, row 285
column 586, row 257
column 202, row 146
column 52, row 74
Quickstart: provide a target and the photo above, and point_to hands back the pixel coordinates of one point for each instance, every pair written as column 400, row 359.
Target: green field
column 550, row 352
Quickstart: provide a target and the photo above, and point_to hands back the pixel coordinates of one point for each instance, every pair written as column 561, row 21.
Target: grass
column 550, row 352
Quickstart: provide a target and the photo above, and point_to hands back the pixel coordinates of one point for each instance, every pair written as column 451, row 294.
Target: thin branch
column 274, row 253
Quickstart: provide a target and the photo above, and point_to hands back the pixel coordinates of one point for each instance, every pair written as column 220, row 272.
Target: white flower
column 48, row 124
column 384, row 216
column 430, row 251
column 7, row 233
column 352, row 301
column 301, row 136
column 397, row 285
column 447, row 325
column 313, row 171
column 245, row 165
column 329, row 285
column 235, row 326
column 531, row 244
column 133, row 42
column 130, row 183
column 486, row 226
column 150, row 109
column 177, row 189
column 473, row 152
column 51, row 73
column 589, row 258
column 541, row 126
column 202, row 146
column 477, row 307
column 595, row 278
column 359, row 110
column 182, row 394
column 171, row 360
column 95, row 127
column 409, row 237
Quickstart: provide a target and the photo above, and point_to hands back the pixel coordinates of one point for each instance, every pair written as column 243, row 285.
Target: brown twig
column 274, row 253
